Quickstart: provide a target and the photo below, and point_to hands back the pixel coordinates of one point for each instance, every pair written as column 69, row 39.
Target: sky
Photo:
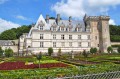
column 14, row 13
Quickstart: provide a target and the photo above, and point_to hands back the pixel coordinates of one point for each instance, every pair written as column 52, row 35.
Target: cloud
column 77, row 8
column 3, row 1
column 112, row 22
column 21, row 17
column 5, row 25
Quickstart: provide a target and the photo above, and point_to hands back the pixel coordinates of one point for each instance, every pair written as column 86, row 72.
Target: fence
column 108, row 75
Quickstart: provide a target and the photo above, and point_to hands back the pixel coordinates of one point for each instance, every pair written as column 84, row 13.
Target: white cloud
column 3, row 1
column 77, row 8
column 112, row 22
column 21, row 17
column 5, row 25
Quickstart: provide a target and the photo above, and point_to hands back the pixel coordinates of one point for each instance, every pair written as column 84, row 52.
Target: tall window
column 89, row 44
column 70, row 44
column 54, row 36
column 63, row 44
column 79, row 36
column 41, row 36
column 41, row 27
column 41, row 44
column 54, row 44
column 88, row 36
column 62, row 37
column 79, row 44
column 70, row 36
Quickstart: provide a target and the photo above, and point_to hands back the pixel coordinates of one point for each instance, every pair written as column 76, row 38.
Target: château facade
column 68, row 35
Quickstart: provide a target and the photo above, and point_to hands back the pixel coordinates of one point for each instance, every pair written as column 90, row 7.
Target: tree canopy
column 14, row 33
column 115, row 33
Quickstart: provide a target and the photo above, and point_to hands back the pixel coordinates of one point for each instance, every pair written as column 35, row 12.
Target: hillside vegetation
column 14, row 33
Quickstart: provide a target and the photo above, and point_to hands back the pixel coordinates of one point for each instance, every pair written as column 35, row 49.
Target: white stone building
column 68, row 35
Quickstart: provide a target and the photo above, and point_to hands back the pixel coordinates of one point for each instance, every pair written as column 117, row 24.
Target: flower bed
column 21, row 65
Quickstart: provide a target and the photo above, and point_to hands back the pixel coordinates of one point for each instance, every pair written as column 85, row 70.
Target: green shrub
column 8, row 52
column 118, row 49
column 85, row 54
column 50, row 51
column 1, row 51
column 109, row 49
column 59, row 52
column 93, row 50
column 115, row 45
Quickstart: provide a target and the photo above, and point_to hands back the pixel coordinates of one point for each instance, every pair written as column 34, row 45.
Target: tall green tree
column 50, row 51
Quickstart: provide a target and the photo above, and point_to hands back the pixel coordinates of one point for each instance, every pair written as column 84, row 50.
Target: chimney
column 47, row 18
column 58, row 18
column 70, row 19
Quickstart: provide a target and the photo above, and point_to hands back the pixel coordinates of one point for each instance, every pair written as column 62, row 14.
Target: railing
column 109, row 75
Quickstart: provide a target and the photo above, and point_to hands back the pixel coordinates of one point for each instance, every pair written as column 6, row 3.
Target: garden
column 64, row 65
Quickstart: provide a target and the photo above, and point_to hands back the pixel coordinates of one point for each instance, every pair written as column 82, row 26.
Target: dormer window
column 41, row 27
column 54, row 28
column 62, row 29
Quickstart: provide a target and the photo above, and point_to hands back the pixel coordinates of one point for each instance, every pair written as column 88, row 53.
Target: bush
column 93, row 50
column 50, row 51
column 1, row 51
column 85, row 54
column 109, row 49
column 115, row 45
column 8, row 52
column 118, row 49
column 59, row 52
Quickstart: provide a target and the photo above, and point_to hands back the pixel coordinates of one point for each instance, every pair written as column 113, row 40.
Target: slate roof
column 6, row 43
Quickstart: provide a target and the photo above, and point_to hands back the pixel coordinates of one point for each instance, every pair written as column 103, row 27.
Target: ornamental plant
column 109, row 49
column 93, row 50
column 1, row 51
column 8, row 52
column 50, row 51
column 85, row 54
column 118, row 49
column 39, row 57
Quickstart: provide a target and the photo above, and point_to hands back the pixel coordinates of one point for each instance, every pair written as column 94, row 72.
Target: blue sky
column 14, row 13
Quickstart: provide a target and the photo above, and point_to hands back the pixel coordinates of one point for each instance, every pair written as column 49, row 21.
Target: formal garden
column 63, row 65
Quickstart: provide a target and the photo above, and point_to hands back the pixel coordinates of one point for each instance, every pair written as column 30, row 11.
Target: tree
column 14, row 33
column 8, row 35
column 109, row 49
column 39, row 57
column 59, row 52
column 1, row 51
column 85, row 54
column 118, row 49
column 93, row 50
column 8, row 52
column 50, row 51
